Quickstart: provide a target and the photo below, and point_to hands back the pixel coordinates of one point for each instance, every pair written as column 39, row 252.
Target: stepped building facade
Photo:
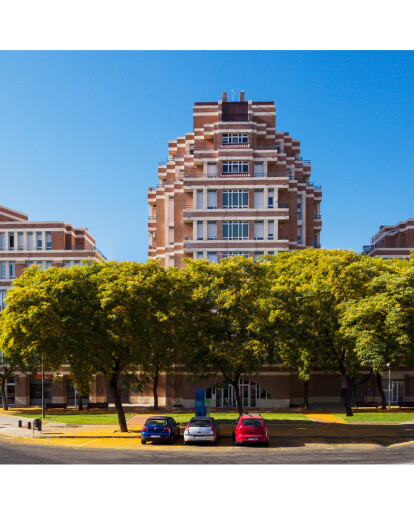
column 233, row 186
column 392, row 241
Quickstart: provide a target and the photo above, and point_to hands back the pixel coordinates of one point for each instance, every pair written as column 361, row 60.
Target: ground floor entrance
column 36, row 392
column 397, row 390
column 223, row 395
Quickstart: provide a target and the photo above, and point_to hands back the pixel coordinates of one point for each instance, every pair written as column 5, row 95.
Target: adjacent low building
column 24, row 243
column 391, row 242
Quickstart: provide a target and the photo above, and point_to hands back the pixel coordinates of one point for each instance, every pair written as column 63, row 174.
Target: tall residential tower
column 233, row 186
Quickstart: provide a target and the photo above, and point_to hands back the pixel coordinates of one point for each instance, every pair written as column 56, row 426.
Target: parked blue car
column 160, row 428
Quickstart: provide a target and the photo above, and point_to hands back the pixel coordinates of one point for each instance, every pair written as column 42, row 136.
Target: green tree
column 95, row 316
column 221, row 314
column 322, row 284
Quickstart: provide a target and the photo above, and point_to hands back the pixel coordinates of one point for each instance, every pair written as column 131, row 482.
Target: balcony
column 283, row 205
column 86, row 249
column 317, row 216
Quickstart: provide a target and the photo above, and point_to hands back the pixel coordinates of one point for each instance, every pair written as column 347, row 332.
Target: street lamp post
column 43, row 390
column 389, row 386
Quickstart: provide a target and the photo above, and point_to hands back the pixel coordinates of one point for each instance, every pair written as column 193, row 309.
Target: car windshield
column 252, row 422
column 156, row 422
column 201, row 423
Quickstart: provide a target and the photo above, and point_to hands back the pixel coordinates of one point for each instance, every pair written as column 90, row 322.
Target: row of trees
column 333, row 310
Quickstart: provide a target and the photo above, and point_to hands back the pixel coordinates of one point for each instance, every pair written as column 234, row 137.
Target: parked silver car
column 202, row 429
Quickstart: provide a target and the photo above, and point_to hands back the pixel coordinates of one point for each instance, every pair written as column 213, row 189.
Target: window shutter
column 258, row 199
column 199, row 199
column 212, row 230
column 212, row 199
column 212, row 170
column 271, row 227
column 258, row 169
column 199, row 230
column 258, row 230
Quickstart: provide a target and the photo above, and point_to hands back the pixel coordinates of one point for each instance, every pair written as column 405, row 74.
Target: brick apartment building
column 233, row 186
column 395, row 241
column 24, row 243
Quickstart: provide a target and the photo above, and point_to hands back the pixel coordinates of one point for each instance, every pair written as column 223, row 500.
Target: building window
column 48, row 240
column 3, row 294
column 235, row 167
column 299, row 234
column 212, row 170
column 299, row 208
column 257, row 255
column 270, row 199
column 11, row 241
column 30, row 240
column 258, row 169
column 234, row 254
column 48, row 264
column 259, row 230
column 39, row 241
column 171, row 236
column 235, row 199
column 212, row 199
column 239, row 138
column 259, row 199
column 199, row 230
column 235, row 230
column 2, row 241
column 270, row 230
column 200, row 255
column 199, row 199
column 2, row 270
column 11, row 270
column 212, row 230
column 212, row 256
column 20, row 240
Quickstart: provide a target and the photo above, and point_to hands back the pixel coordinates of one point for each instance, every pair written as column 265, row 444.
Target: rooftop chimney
column 242, row 96
column 224, row 97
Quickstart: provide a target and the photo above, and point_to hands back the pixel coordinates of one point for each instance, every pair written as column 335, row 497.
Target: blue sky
column 81, row 133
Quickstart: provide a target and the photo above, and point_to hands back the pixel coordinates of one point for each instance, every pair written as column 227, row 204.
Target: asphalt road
column 16, row 452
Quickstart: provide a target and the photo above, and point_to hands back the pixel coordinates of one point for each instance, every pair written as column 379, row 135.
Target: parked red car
column 251, row 428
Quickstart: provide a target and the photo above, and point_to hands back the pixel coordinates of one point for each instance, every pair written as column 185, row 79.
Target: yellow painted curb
column 325, row 418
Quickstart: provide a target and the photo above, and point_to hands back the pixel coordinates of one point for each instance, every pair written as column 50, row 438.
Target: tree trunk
column 306, row 394
column 154, row 390
column 80, row 406
column 3, row 394
column 238, row 398
column 378, row 378
column 113, row 385
column 348, row 397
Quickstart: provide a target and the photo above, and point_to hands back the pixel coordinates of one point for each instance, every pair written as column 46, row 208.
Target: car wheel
column 172, row 439
column 143, row 441
column 266, row 444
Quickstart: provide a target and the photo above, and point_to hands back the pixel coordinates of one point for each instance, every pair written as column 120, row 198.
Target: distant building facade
column 24, row 243
column 394, row 241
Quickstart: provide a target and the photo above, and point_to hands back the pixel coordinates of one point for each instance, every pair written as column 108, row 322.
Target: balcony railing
column 86, row 249
column 317, row 216
column 317, row 245
column 283, row 237
column 283, row 205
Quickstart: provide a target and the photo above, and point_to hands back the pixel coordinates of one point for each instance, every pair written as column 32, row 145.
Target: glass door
column 397, row 391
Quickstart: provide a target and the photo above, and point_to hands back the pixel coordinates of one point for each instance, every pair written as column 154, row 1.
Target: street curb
column 285, row 437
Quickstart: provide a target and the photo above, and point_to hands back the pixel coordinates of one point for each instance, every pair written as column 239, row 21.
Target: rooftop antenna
column 233, row 92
